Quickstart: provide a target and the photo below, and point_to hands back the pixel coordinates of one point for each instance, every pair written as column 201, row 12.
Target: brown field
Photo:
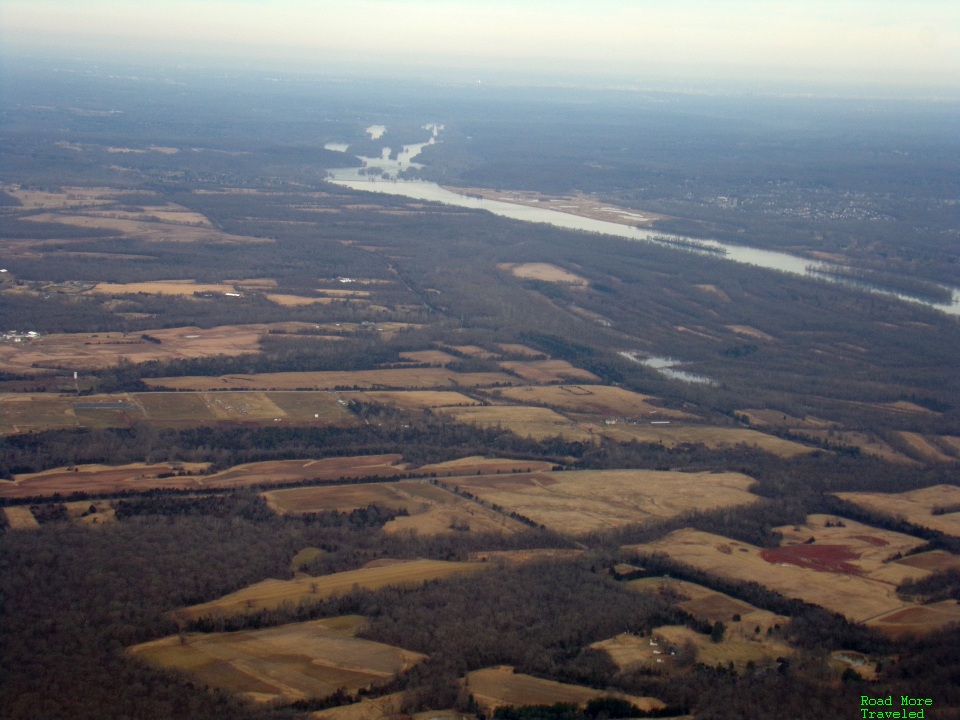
column 590, row 399
column 476, row 465
column 777, row 419
column 68, row 197
column 474, row 351
column 286, row 663
column 149, row 231
column 414, row 399
column 271, row 593
column 587, row 500
column 914, row 506
column 100, row 479
column 869, row 443
column 84, row 351
column 103, row 479
column 934, row 561
column 296, row 300
column 918, row 620
column 660, row 650
column 378, row 708
column 432, row 510
column 548, row 371
column 24, row 412
column 713, row 437
column 183, row 288
column 499, row 686
column 437, row 358
column 20, row 518
column 168, row 213
column 80, row 512
column 543, row 271
column 710, row 605
column 261, row 408
column 538, row 423
column 859, row 597
column 522, row 350
column 275, row 472
column 924, row 449
column 404, row 378
column 750, row 332
column 951, row 443
column 522, row 557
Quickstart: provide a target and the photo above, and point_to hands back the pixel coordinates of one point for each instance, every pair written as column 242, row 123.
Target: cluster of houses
column 18, row 336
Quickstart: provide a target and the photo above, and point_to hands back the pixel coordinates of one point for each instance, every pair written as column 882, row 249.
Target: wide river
column 419, row 190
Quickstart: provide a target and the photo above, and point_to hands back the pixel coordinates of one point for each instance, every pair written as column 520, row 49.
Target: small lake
column 668, row 368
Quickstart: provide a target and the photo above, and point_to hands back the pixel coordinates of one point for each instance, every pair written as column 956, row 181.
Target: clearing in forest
column 544, row 272
column 502, row 686
column 270, row 594
column 432, row 510
column 285, row 663
column 915, row 506
column 587, row 500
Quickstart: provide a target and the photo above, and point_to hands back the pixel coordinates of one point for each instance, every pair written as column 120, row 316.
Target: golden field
column 285, row 663
column 498, row 686
column 915, row 506
column 586, row 500
column 272, row 593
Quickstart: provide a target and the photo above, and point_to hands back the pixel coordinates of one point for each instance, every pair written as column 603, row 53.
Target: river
column 388, row 183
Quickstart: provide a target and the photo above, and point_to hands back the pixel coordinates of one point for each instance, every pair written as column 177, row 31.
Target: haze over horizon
column 907, row 48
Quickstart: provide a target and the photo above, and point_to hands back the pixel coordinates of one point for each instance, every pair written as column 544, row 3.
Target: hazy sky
column 911, row 42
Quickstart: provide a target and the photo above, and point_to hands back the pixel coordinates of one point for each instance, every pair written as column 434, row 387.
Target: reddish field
column 825, row 558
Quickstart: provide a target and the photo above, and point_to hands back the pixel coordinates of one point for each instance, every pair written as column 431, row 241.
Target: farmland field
column 918, row 620
column 862, row 589
column 149, row 230
column 432, row 510
column 498, row 686
column 272, row 593
column 713, row 437
column 590, row 399
column 915, row 506
column 547, row 371
column 538, row 423
column 707, row 604
column 20, row 518
column 414, row 399
column 476, row 465
column 586, row 500
column 288, row 662
column 402, row 378
column 139, row 477
column 85, row 351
